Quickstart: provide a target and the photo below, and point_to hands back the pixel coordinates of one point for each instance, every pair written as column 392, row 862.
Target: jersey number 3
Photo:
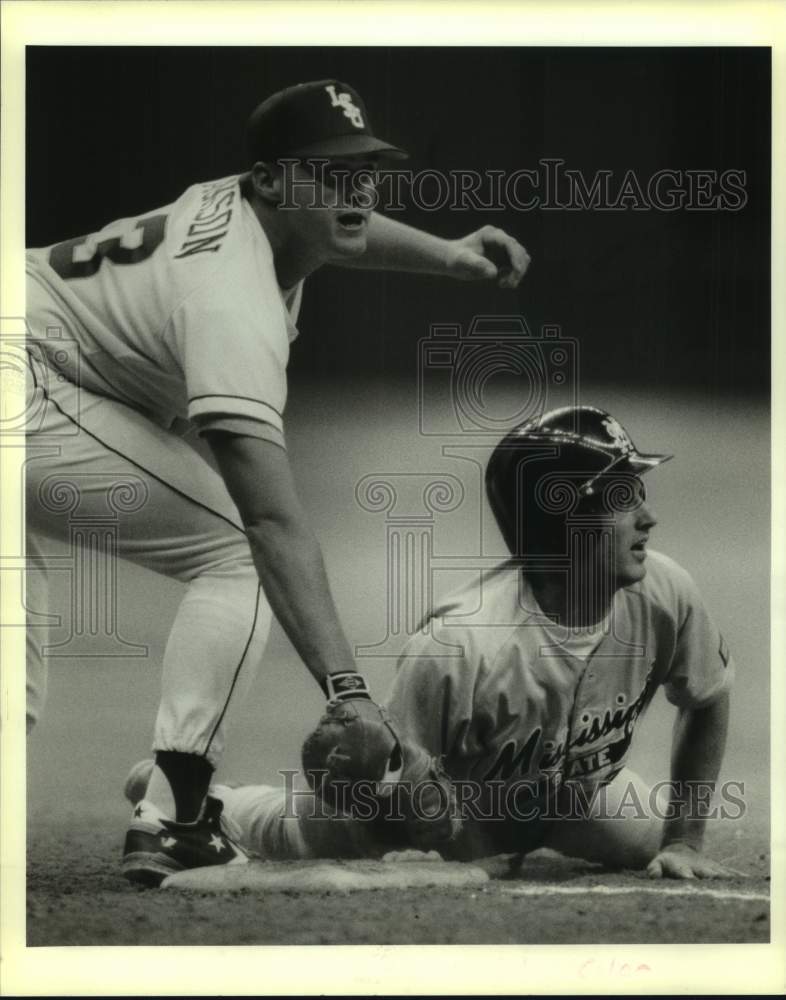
column 62, row 258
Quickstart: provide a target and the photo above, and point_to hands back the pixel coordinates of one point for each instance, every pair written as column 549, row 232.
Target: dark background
column 658, row 300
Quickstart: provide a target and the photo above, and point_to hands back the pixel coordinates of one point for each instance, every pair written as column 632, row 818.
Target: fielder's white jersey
column 518, row 705
column 176, row 312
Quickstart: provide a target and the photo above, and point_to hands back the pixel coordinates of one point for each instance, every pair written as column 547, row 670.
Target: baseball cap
column 322, row 118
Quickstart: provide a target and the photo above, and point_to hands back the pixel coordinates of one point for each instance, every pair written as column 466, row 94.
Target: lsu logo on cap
column 344, row 101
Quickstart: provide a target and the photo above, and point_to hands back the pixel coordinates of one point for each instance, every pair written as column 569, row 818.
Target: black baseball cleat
column 157, row 847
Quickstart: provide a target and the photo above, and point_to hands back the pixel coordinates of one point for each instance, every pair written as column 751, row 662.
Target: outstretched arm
column 698, row 745
column 489, row 253
column 286, row 552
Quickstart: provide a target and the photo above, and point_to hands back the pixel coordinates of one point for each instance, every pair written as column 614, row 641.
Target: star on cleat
column 138, row 812
column 168, row 841
column 217, row 842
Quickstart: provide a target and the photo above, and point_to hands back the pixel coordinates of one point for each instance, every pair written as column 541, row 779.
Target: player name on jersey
column 211, row 222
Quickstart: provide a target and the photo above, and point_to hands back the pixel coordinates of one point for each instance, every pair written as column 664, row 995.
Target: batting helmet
column 544, row 468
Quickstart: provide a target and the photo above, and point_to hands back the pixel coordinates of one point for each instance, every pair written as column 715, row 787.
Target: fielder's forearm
column 698, row 745
column 285, row 550
column 394, row 246
column 291, row 570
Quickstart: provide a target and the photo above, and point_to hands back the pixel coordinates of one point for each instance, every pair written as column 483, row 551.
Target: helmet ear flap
column 529, row 513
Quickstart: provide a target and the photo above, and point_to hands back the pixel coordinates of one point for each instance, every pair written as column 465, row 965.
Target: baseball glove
column 356, row 761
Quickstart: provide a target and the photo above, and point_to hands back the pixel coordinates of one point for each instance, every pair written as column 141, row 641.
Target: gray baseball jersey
column 527, row 700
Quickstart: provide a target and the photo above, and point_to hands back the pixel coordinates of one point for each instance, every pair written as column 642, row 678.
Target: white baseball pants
column 87, row 454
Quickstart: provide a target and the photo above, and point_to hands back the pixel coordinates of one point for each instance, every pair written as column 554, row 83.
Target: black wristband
column 345, row 686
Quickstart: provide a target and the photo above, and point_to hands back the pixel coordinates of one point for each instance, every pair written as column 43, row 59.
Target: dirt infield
column 77, row 897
